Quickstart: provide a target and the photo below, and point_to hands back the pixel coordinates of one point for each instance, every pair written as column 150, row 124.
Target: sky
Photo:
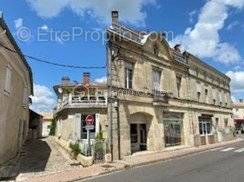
column 73, row 32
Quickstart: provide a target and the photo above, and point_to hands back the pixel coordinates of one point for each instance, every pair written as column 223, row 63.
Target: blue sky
column 211, row 29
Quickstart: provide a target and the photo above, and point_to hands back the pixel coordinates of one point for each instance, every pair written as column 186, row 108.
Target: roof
column 16, row 47
column 34, row 114
column 73, row 85
column 140, row 38
column 47, row 115
column 238, row 104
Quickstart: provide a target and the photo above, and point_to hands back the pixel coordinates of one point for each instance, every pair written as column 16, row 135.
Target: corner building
column 160, row 97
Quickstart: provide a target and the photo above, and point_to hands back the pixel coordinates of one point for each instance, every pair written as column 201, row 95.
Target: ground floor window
column 205, row 127
column 173, row 129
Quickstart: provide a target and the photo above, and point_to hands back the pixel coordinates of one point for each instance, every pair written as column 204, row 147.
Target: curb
column 129, row 166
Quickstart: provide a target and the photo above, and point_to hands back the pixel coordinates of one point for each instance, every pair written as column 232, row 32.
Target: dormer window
column 155, row 50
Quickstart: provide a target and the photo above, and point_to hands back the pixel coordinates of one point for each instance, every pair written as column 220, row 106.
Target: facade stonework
column 164, row 98
column 75, row 103
column 15, row 89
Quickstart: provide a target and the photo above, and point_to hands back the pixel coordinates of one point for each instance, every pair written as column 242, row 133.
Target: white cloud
column 43, row 99
column 101, row 80
column 237, row 81
column 203, row 39
column 191, row 15
column 18, row 23
column 130, row 10
column 44, row 27
column 232, row 25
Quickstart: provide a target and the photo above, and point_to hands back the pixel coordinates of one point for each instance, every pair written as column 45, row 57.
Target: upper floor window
column 226, row 122
column 198, row 96
column 25, row 96
column 156, row 79
column 8, row 76
column 178, row 84
column 128, row 75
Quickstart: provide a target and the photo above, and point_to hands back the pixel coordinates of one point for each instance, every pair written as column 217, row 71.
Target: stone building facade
column 238, row 115
column 76, row 101
column 15, row 89
column 160, row 97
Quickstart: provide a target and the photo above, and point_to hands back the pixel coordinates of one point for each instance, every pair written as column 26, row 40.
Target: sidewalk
column 131, row 161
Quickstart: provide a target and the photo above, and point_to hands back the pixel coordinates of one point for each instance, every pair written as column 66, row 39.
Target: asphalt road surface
column 224, row 164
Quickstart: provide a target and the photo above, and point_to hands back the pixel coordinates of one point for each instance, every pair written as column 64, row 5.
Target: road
column 224, row 164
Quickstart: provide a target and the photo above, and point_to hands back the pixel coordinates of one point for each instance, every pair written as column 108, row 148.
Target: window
column 25, row 97
column 156, row 80
column 206, row 95
column 8, row 75
column 216, row 122
column 178, row 83
column 155, row 49
column 128, row 75
column 206, row 92
column 83, row 125
column 205, row 127
column 226, row 122
column 199, row 89
column 198, row 96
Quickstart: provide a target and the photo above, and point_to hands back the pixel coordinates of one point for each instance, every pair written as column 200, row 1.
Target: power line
column 54, row 63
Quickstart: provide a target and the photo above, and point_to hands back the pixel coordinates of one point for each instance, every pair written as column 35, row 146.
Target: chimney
column 86, row 78
column 65, row 81
column 177, row 48
column 115, row 17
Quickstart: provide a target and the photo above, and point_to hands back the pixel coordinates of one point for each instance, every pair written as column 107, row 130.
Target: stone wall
column 14, row 113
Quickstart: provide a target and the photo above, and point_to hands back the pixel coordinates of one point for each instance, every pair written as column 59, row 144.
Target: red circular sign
column 89, row 120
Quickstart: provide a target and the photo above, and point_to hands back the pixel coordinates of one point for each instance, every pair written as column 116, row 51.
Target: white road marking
column 240, row 150
column 216, row 148
column 227, row 149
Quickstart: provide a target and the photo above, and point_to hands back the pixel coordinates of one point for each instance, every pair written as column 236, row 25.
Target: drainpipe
column 110, row 104
column 118, row 125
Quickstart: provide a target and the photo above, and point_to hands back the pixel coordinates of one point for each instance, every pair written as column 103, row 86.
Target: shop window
column 134, row 134
column 172, row 128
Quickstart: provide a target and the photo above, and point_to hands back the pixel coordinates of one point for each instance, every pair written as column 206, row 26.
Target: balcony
column 78, row 101
column 161, row 96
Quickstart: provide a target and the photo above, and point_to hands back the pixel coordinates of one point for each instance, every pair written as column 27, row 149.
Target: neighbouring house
column 35, row 125
column 16, row 86
column 46, row 123
column 238, row 115
column 76, row 102
column 161, row 97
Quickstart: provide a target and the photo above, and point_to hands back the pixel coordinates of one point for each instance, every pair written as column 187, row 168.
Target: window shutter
column 8, row 78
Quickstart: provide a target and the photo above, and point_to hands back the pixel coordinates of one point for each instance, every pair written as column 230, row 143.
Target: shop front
column 173, row 123
column 206, row 129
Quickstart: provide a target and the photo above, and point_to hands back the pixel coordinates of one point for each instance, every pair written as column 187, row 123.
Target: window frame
column 129, row 73
column 8, row 80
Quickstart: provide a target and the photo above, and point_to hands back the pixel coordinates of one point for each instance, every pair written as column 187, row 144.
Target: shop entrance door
column 138, row 135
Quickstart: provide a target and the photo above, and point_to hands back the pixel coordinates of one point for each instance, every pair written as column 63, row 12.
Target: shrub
column 75, row 149
column 53, row 126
